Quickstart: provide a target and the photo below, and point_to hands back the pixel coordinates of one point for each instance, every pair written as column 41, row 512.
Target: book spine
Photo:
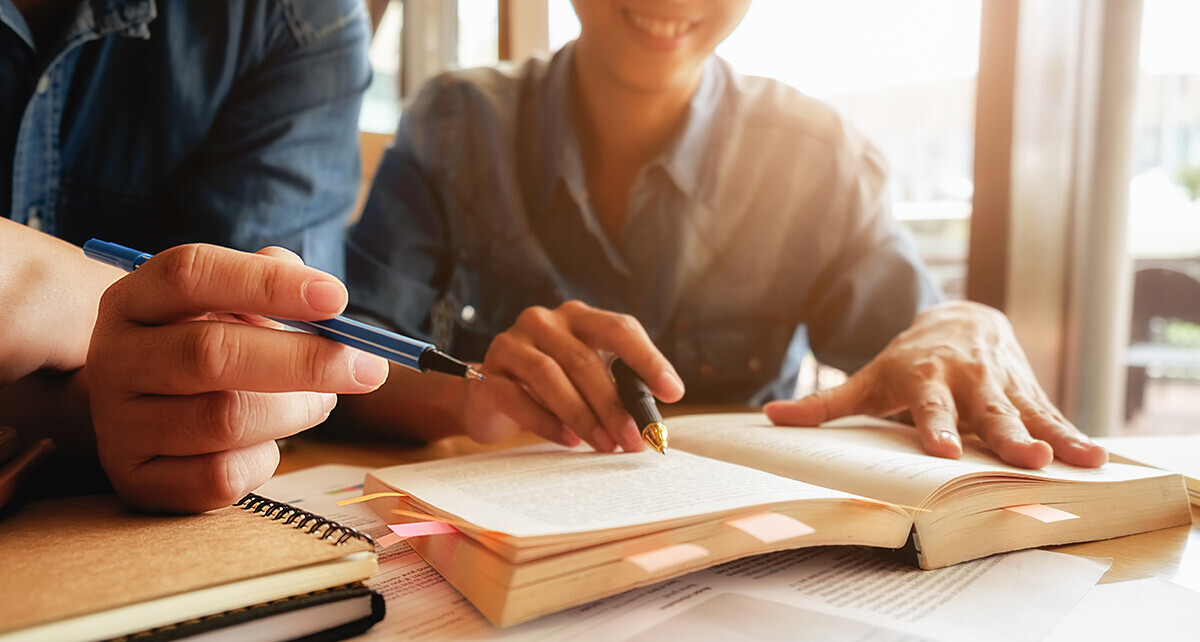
column 300, row 519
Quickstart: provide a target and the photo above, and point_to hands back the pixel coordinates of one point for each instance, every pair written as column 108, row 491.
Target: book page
column 862, row 455
column 853, row 593
column 539, row 490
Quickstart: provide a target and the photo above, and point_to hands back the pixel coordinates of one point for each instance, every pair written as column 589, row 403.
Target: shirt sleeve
column 281, row 166
column 397, row 254
column 875, row 284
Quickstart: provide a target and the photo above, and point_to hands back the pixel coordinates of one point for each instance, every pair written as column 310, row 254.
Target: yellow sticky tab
column 1042, row 513
column 771, row 527
column 659, row 559
column 363, row 498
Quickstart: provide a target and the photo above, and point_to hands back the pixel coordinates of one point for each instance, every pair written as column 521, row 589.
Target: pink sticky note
column 658, row 559
column 1042, row 513
column 771, row 527
column 388, row 540
column 419, row 529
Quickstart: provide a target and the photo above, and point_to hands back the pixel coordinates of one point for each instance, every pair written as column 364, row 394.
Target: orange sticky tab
column 656, row 560
column 388, row 540
column 771, row 527
column 419, row 529
column 355, row 500
column 1042, row 513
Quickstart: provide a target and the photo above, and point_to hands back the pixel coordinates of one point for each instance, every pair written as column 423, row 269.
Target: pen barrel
column 644, row 410
column 389, row 345
column 635, row 395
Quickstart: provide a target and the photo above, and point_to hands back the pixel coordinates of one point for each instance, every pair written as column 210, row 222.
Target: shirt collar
column 130, row 18
column 15, row 21
column 690, row 159
column 547, row 119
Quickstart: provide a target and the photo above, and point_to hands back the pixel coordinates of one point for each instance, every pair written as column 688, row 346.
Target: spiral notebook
column 84, row 568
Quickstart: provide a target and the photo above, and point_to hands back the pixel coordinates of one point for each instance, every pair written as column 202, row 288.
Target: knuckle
column 212, row 351
column 580, row 358
column 627, row 324
column 575, row 306
column 223, row 480
column 925, row 368
column 227, row 414
column 541, row 366
column 934, row 405
column 187, row 270
column 536, row 316
column 1040, row 415
column 311, row 362
column 1000, row 410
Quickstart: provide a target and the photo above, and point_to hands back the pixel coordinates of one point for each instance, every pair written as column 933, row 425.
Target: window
column 1163, row 242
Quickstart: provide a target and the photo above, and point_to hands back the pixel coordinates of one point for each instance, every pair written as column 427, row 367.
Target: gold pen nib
column 655, row 434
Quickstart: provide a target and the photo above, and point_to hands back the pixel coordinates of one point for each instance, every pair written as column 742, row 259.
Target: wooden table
column 1171, row 554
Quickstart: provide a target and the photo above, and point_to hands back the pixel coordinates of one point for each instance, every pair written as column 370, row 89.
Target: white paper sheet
column 1149, row 609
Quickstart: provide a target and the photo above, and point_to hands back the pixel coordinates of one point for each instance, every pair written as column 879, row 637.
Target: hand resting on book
column 188, row 396
column 958, row 366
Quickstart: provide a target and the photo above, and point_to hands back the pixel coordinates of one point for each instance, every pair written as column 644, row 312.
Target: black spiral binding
column 301, row 519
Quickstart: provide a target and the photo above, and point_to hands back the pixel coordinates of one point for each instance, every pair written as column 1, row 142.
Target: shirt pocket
column 732, row 359
column 492, row 283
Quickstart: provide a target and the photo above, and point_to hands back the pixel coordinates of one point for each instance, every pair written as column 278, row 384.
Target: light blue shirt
column 764, row 224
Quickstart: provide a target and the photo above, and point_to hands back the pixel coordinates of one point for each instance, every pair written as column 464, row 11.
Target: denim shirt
column 763, row 224
column 152, row 123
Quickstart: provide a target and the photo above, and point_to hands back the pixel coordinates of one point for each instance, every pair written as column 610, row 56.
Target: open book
column 85, row 568
column 544, row 528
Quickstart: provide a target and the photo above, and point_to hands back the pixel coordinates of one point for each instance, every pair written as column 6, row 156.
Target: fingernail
column 671, row 382
column 326, row 297
column 329, row 400
column 948, row 437
column 369, row 371
column 569, row 439
column 601, row 441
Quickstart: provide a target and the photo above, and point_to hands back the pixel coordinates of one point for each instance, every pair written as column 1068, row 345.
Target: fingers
column 559, row 359
column 1045, row 422
column 187, row 400
column 199, row 483
column 622, row 335
column 998, row 422
column 191, row 280
column 935, row 415
column 158, row 426
column 501, row 408
column 205, row 356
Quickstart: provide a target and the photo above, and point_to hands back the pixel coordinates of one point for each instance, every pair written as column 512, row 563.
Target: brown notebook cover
column 84, row 567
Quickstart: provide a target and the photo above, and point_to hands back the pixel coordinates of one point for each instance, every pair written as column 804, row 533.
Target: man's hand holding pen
column 187, row 398
column 549, row 374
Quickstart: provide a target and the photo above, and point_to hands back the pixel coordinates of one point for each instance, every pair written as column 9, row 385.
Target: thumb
column 850, row 398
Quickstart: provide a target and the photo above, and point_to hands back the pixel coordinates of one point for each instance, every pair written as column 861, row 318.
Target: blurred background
column 1045, row 156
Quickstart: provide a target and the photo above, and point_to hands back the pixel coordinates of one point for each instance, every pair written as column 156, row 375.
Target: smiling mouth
column 657, row 27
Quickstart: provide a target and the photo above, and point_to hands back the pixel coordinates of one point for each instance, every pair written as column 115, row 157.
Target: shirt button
column 705, row 369
column 468, row 313
column 754, row 364
column 33, row 220
column 43, row 84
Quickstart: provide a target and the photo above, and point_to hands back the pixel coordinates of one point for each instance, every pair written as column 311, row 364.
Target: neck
column 621, row 128
column 622, row 123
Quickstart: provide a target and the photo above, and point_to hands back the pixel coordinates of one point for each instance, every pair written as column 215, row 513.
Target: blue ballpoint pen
column 406, row 351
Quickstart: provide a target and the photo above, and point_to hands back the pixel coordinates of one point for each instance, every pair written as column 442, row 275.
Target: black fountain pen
column 640, row 403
